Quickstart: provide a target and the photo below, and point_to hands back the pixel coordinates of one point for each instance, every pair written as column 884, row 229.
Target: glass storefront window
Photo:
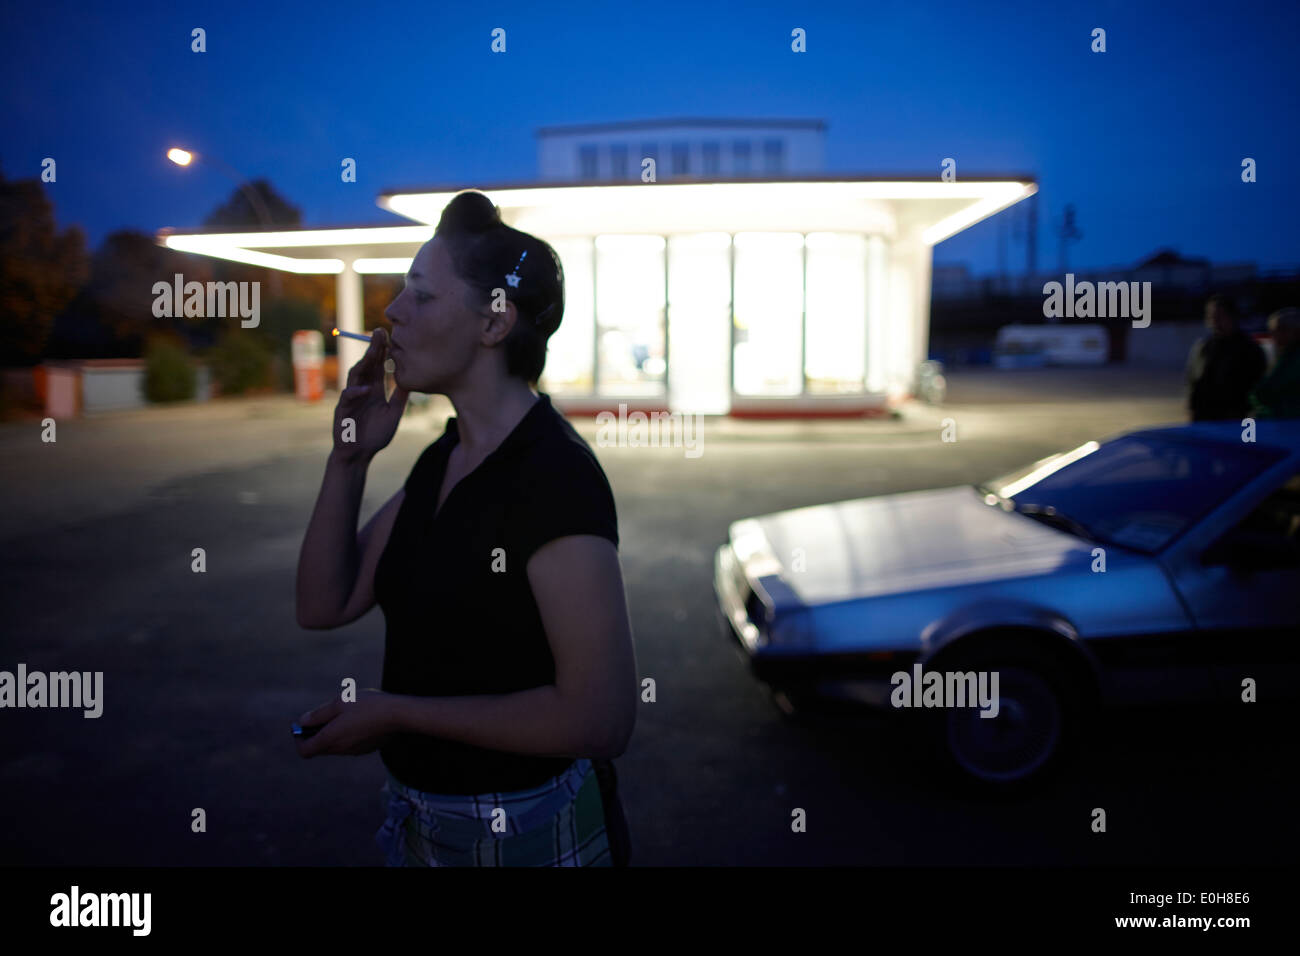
column 842, row 340
column 699, row 308
column 570, row 350
column 877, row 311
column 835, row 339
column 769, row 313
column 630, row 315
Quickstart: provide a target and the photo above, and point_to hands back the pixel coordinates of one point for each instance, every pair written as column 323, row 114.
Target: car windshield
column 1139, row 491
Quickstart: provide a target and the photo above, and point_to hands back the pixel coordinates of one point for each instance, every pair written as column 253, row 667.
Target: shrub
column 279, row 320
column 240, row 362
column 169, row 374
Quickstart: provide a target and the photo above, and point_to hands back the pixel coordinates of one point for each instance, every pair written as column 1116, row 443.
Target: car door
column 1243, row 591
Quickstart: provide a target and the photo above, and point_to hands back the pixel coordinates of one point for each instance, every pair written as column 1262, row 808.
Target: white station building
column 724, row 291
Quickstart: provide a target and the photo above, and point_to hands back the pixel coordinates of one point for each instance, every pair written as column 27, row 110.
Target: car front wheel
column 1018, row 740
column 1033, row 721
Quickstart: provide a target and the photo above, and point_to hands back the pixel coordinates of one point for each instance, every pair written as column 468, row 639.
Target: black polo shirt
column 457, row 626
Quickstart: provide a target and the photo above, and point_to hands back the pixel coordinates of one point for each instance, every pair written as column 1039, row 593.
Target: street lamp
column 183, row 157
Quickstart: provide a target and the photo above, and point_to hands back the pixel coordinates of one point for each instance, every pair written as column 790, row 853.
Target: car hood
column 912, row 541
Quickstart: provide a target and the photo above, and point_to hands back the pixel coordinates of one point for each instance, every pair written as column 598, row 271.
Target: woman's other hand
column 351, row 728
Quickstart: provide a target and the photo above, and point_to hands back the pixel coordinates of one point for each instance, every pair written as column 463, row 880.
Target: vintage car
column 1156, row 565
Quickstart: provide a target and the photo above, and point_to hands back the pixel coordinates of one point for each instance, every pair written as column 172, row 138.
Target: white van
column 1020, row 346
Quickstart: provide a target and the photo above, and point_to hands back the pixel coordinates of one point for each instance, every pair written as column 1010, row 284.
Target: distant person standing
column 1278, row 395
column 1223, row 366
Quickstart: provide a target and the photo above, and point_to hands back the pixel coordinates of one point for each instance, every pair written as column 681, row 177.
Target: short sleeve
column 564, row 493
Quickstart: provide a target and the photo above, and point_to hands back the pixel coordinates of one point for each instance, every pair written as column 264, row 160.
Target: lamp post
column 183, row 157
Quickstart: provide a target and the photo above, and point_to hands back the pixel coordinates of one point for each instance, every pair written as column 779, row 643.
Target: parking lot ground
column 204, row 672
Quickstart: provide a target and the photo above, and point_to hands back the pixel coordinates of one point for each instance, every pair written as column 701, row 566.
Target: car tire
column 1037, row 727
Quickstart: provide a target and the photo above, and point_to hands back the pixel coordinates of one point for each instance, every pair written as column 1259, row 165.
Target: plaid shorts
column 560, row 823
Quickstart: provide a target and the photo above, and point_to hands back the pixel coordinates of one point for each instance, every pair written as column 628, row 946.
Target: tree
column 280, row 319
column 40, row 270
column 112, row 314
column 238, row 211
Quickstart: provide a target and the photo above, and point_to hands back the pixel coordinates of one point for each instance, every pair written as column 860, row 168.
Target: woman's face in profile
column 435, row 336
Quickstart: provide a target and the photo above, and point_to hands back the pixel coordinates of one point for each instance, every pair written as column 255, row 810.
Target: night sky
column 1145, row 139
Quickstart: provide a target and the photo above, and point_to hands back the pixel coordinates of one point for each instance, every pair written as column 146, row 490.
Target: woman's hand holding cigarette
column 374, row 421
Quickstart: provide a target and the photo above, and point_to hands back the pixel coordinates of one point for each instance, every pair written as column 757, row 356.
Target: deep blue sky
column 1146, row 139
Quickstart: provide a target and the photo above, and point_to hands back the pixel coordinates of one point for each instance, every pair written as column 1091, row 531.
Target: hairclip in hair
column 513, row 277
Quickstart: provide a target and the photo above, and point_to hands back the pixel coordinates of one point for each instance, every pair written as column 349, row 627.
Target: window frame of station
column 731, row 349
column 589, row 153
column 774, row 155
column 619, row 153
column 803, row 316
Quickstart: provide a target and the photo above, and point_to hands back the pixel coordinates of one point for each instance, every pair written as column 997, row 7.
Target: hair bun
column 470, row 212
column 548, row 320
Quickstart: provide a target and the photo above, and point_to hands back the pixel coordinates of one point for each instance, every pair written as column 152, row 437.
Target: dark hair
column 484, row 250
column 1224, row 302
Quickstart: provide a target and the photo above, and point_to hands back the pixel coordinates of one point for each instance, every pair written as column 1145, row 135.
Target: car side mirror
column 1252, row 551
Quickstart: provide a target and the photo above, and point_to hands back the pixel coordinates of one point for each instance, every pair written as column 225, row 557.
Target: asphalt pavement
column 204, row 672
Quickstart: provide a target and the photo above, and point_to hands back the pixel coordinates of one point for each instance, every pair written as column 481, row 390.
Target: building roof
column 822, row 177
column 891, row 205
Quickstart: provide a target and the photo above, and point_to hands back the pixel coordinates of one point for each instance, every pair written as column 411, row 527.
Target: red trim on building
column 784, row 408
column 804, row 412
column 591, row 407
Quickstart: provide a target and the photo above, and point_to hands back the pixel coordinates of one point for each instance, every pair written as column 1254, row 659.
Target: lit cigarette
column 352, row 335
